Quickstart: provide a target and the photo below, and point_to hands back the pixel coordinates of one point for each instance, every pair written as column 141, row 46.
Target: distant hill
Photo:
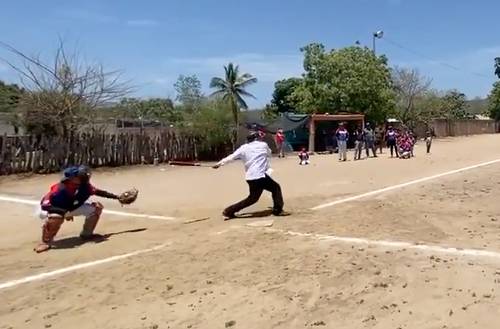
column 477, row 106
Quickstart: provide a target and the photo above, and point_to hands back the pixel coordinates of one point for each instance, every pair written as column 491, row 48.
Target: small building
column 314, row 132
column 322, row 127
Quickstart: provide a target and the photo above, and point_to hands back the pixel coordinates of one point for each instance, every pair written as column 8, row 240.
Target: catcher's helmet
column 82, row 172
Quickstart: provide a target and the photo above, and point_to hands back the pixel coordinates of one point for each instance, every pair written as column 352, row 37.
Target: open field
column 420, row 255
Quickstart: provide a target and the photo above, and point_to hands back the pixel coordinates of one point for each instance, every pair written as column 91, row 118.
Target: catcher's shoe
column 49, row 230
column 42, row 247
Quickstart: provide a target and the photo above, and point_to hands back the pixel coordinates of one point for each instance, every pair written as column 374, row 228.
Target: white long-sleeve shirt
column 255, row 155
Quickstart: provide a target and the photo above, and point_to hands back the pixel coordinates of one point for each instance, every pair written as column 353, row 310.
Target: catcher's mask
column 84, row 174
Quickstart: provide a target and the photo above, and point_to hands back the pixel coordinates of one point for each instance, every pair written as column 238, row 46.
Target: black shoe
column 280, row 213
column 228, row 215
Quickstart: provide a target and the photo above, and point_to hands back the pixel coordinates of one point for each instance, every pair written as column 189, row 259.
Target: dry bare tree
column 409, row 85
column 64, row 92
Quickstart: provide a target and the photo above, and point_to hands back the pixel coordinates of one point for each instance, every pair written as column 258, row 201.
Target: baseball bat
column 189, row 163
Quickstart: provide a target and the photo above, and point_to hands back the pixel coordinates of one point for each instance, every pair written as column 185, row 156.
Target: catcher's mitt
column 129, row 196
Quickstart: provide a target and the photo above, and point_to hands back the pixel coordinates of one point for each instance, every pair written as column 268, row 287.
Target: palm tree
column 232, row 90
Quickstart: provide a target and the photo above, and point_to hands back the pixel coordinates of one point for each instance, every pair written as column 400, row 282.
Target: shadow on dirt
column 74, row 242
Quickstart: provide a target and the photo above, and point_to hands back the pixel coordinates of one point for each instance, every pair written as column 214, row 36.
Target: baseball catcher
column 69, row 198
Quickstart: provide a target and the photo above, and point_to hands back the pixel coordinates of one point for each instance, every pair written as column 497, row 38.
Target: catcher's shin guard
column 50, row 228
column 91, row 221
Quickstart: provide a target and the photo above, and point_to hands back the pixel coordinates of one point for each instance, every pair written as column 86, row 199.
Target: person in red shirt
column 280, row 143
column 67, row 199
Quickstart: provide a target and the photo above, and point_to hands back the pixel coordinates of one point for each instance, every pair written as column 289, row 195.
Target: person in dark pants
column 379, row 138
column 359, row 137
column 255, row 154
column 369, row 140
column 391, row 138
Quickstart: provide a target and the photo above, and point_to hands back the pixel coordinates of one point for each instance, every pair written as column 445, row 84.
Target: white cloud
column 266, row 68
column 142, row 22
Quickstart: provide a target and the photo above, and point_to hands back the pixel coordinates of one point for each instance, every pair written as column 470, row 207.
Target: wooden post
column 312, row 134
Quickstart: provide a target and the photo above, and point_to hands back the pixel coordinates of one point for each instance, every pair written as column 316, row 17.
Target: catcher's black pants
column 256, row 187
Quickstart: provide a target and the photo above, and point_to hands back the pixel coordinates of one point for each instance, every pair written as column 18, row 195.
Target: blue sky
column 154, row 41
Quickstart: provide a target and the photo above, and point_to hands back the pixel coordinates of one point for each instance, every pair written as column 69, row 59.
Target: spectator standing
column 379, row 138
column 391, row 138
column 342, row 137
column 428, row 139
column 359, row 137
column 369, row 140
column 280, row 143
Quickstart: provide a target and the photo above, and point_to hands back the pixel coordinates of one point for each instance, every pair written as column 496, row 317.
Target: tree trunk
column 235, row 110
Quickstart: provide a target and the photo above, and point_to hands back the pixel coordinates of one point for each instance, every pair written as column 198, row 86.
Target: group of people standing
column 364, row 138
column 400, row 142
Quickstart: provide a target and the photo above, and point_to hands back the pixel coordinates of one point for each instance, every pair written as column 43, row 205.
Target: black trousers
column 393, row 147
column 256, row 187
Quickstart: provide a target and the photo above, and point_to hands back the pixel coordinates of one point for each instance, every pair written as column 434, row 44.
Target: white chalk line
column 6, row 198
column 64, row 270
column 380, row 243
column 394, row 244
column 397, row 186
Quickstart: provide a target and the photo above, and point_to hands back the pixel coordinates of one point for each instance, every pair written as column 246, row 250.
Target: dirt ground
column 216, row 274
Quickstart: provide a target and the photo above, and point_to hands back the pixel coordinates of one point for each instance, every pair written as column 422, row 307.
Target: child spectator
column 304, row 157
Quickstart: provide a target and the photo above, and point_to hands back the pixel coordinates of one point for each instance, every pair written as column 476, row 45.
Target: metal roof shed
column 330, row 117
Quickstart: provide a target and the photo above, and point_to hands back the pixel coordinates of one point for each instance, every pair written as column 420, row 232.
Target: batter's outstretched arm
column 234, row 156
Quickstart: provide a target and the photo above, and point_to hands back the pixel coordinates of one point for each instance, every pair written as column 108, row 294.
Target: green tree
column 494, row 101
column 10, row 95
column 283, row 90
column 161, row 109
column 454, row 105
column 211, row 124
column 350, row 79
column 427, row 106
column 188, row 89
column 232, row 89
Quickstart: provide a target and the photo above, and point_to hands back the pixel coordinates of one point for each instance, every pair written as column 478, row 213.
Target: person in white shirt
column 255, row 154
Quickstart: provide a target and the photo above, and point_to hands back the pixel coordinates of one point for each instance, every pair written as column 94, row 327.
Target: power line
column 417, row 53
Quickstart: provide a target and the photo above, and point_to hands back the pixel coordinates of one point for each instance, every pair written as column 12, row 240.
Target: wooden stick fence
column 32, row 154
